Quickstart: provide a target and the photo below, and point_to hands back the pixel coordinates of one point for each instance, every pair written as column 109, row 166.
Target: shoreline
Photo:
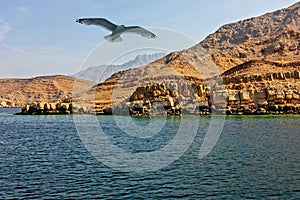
column 146, row 116
column 182, row 115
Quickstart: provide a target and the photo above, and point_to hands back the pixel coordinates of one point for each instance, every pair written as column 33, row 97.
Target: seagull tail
column 113, row 38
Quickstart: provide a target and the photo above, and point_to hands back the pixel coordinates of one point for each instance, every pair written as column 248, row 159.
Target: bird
column 117, row 30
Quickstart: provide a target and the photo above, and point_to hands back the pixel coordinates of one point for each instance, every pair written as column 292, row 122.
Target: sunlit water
column 255, row 157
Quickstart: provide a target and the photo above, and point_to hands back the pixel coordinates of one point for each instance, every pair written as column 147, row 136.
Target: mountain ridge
column 102, row 72
column 21, row 91
column 231, row 34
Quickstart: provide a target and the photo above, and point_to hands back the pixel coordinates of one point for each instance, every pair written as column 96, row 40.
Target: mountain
column 18, row 92
column 251, row 55
column 230, row 35
column 278, row 47
column 273, row 36
column 102, row 72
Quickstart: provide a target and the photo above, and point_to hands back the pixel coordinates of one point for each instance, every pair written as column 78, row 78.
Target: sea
column 51, row 157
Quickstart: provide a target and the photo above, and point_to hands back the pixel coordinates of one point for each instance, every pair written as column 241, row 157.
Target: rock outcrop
column 167, row 98
column 45, row 108
column 244, row 95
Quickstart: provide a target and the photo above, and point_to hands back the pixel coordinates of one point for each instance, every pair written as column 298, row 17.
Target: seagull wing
column 98, row 22
column 139, row 30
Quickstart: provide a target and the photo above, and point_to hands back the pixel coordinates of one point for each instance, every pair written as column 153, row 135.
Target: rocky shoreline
column 270, row 93
column 45, row 108
column 239, row 99
column 140, row 110
column 244, row 96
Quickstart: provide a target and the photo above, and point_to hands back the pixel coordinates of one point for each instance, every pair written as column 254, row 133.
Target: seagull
column 116, row 30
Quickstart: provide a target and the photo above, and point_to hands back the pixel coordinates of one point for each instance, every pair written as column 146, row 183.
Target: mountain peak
column 102, row 72
column 229, row 35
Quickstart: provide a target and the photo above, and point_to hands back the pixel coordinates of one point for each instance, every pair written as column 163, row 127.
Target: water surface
column 255, row 157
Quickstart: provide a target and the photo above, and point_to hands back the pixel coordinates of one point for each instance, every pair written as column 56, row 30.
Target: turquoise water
column 255, row 157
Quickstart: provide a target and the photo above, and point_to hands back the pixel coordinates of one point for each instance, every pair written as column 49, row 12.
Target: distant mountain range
column 102, row 72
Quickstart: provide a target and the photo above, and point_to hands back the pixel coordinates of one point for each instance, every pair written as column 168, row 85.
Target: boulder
column 245, row 96
column 279, row 95
column 219, row 97
column 3, row 104
column 262, row 102
column 260, row 94
column 271, row 95
column 289, row 95
column 295, row 96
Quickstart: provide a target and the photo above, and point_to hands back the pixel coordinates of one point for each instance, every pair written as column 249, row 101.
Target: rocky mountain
column 230, row 35
column 273, row 36
column 278, row 47
column 251, row 55
column 102, row 72
column 18, row 92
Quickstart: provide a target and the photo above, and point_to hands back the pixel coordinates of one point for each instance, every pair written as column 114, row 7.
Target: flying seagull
column 117, row 30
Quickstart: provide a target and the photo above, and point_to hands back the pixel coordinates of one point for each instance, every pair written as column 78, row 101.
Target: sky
column 42, row 38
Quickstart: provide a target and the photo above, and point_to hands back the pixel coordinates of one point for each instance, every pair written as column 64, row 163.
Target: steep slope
column 280, row 47
column 229, row 35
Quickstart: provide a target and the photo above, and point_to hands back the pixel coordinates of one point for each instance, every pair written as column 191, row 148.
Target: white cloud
column 14, row 48
column 4, row 28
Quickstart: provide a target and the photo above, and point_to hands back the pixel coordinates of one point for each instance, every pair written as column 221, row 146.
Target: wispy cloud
column 14, row 48
column 4, row 28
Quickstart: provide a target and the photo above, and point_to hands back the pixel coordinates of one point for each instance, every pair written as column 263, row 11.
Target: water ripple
column 256, row 157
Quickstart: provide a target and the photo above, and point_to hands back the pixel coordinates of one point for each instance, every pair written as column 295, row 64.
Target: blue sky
column 42, row 38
